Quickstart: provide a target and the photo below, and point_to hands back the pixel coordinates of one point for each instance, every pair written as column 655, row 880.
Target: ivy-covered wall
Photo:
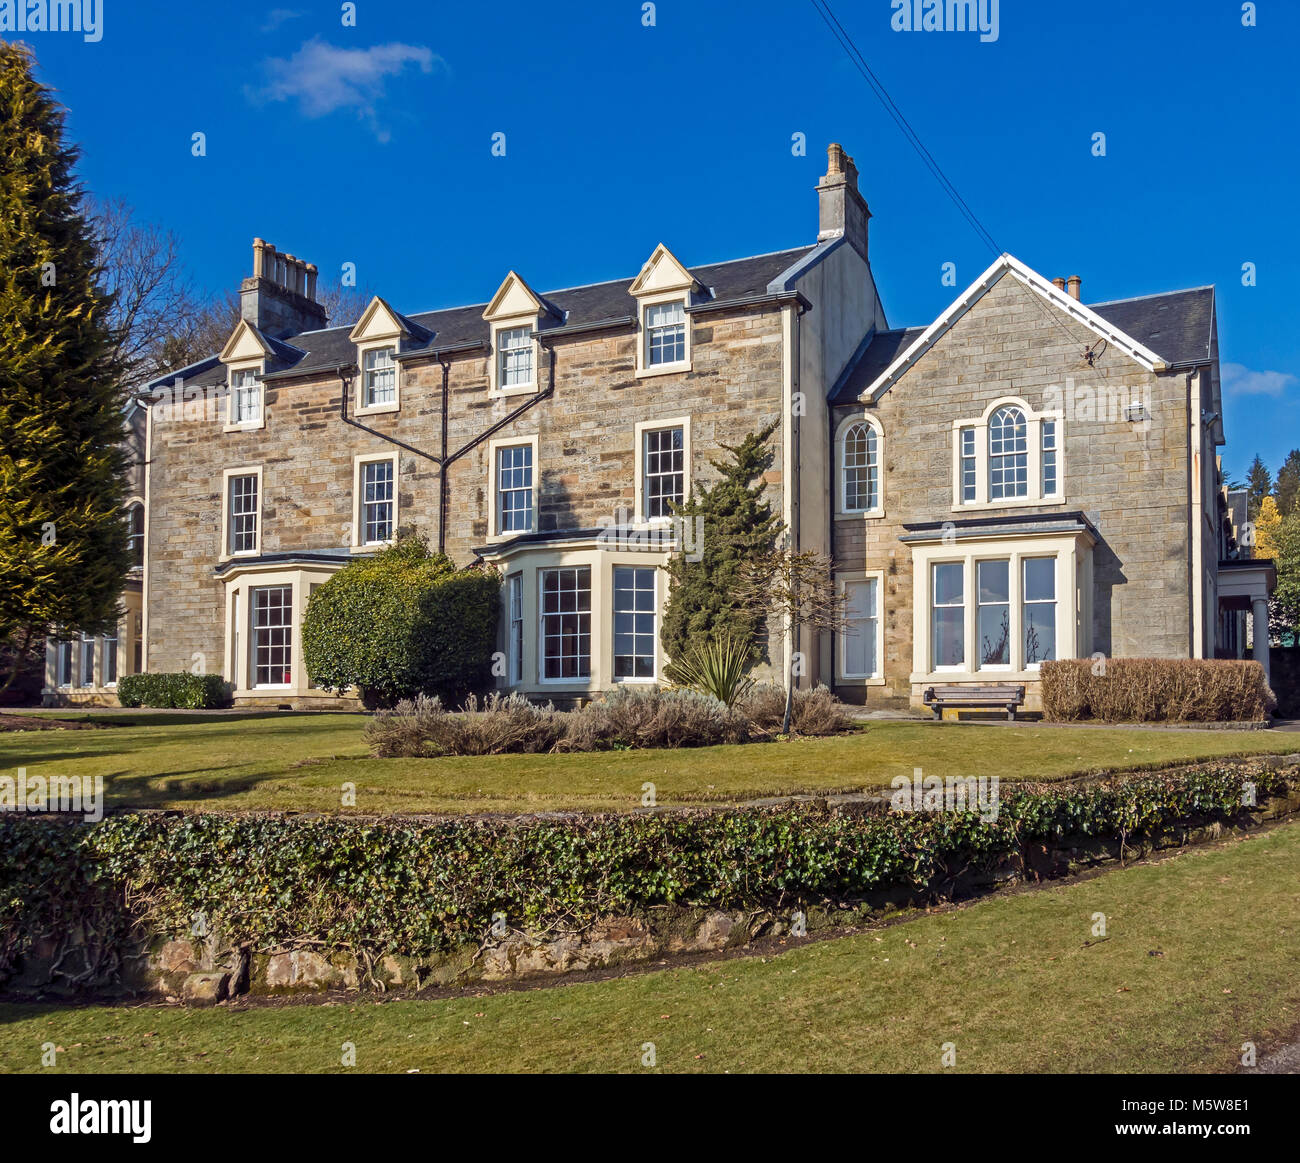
column 84, row 900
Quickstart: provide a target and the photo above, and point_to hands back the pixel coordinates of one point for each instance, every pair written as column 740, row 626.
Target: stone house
column 1027, row 477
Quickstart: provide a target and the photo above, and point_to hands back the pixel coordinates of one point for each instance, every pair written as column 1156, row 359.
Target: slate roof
column 438, row 330
column 1178, row 326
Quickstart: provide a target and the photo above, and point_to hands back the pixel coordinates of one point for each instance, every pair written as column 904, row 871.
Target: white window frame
column 640, row 431
column 363, row 406
column 1073, row 581
column 657, row 599
column 976, row 604
column 516, row 628
column 359, row 543
column 967, row 574
column 494, row 448
column 295, row 650
column 643, row 365
column 259, row 421
column 62, row 650
column 877, row 676
column 499, row 327
column 227, row 531
column 110, row 645
column 1034, row 448
column 841, row 492
column 593, row 638
column 1055, row 603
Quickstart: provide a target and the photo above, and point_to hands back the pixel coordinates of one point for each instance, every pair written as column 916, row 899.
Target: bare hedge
column 1142, row 690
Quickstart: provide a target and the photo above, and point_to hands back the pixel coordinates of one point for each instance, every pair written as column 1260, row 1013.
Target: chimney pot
column 273, row 299
column 842, row 211
column 1059, row 284
column 1075, row 283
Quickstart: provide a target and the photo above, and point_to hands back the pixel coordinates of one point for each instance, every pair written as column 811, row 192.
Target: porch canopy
column 1246, row 585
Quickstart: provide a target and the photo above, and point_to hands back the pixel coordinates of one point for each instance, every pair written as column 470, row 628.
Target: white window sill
column 377, row 409
column 246, row 426
column 372, row 546
column 860, row 515
column 514, row 390
column 1014, row 503
column 662, row 369
column 860, row 680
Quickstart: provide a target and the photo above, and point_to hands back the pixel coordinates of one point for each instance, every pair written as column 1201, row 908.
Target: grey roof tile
column 586, row 304
column 1178, row 326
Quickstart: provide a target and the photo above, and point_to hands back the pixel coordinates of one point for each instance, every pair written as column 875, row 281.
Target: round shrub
column 403, row 622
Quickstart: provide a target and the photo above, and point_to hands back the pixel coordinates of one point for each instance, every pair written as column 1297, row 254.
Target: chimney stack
column 280, row 297
column 1075, row 283
column 1059, row 284
column 842, row 210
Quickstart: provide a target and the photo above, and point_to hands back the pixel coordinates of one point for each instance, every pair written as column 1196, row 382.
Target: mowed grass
column 302, row 762
column 1198, row 958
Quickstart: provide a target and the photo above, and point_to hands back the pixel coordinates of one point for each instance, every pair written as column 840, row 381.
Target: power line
column 914, row 139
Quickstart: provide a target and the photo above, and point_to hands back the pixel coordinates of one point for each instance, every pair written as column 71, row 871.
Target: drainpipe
column 444, row 460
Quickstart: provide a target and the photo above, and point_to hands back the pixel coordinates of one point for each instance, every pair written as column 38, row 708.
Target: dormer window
column 665, row 332
column 245, row 397
column 515, row 357
column 379, row 377
column 381, row 334
column 664, row 291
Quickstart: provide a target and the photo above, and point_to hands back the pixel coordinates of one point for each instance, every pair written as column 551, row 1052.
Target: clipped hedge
column 401, row 623
column 1141, row 690
column 415, row 888
column 183, row 690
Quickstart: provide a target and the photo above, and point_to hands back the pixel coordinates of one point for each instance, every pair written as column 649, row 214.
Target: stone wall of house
column 1130, row 479
column 586, row 457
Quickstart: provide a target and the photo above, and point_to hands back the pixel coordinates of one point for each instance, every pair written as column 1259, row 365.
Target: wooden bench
column 1008, row 696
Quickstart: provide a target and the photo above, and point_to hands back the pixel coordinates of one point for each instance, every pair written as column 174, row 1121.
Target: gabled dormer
column 381, row 335
column 245, row 356
column 515, row 315
column 664, row 290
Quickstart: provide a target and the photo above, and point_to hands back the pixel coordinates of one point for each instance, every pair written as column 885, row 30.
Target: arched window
column 1008, row 454
column 135, row 517
column 861, row 466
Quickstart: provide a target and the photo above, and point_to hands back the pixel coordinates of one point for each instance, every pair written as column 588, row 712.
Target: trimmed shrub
column 652, row 717
column 183, row 690
column 814, row 712
column 423, row 728
column 1141, row 690
column 401, row 623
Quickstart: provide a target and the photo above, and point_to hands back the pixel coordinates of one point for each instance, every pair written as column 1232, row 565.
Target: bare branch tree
column 798, row 590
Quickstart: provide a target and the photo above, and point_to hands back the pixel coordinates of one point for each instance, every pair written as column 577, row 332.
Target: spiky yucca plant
column 715, row 666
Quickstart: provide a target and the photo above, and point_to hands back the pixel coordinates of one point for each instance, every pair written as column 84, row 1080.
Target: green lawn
column 1198, row 959
column 301, row 762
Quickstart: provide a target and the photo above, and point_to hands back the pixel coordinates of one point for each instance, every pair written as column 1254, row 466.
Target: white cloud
column 324, row 79
column 1239, row 380
column 277, row 17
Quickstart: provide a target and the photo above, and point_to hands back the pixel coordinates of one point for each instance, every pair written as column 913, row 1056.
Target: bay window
column 993, row 624
column 948, row 603
column 1039, row 617
column 634, row 623
column 566, row 623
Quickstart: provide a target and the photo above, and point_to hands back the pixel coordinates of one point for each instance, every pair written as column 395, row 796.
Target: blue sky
column 372, row 144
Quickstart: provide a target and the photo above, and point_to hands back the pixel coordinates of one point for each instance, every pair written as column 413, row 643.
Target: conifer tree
column 1286, row 489
column 63, row 547
column 736, row 527
column 1259, row 483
